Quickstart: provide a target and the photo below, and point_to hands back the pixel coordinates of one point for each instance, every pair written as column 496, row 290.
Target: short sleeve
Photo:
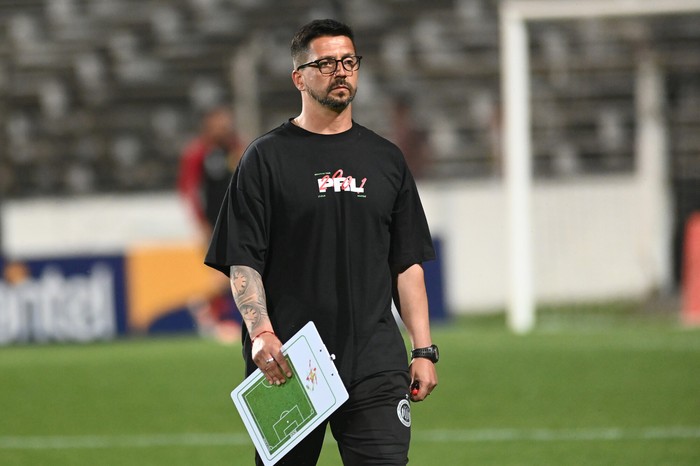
column 411, row 242
column 240, row 233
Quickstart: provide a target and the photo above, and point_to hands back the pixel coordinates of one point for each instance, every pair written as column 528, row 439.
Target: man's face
column 337, row 90
column 219, row 127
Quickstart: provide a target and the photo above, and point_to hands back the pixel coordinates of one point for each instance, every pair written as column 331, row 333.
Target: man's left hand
column 423, row 377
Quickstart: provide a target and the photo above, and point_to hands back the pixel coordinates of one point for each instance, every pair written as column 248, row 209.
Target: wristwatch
column 431, row 352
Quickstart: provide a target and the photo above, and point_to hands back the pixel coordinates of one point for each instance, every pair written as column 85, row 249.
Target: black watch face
column 436, row 352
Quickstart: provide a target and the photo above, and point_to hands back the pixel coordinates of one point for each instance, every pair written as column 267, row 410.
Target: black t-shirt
column 327, row 220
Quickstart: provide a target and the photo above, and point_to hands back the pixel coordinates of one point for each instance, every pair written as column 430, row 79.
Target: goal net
column 601, row 117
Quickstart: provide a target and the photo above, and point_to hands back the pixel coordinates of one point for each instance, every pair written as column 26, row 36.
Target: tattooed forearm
column 253, row 317
column 249, row 294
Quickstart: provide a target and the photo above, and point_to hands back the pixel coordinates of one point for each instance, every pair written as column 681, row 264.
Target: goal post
column 517, row 141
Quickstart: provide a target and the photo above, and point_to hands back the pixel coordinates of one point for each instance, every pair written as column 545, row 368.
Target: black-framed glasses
column 328, row 66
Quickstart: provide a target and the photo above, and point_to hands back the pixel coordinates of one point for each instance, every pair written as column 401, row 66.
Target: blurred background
column 99, row 99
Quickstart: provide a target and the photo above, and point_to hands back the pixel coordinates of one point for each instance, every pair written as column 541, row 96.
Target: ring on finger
column 268, row 361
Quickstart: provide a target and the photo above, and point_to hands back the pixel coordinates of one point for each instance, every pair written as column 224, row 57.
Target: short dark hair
column 313, row 30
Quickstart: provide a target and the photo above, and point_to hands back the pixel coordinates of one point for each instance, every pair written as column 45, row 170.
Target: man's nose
column 340, row 69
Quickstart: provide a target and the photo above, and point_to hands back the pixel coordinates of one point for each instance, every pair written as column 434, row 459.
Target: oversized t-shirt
column 327, row 221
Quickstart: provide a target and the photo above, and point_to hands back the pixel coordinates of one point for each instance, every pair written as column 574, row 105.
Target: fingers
column 276, row 369
column 283, row 365
column 272, row 373
column 420, row 391
column 267, row 355
column 423, row 379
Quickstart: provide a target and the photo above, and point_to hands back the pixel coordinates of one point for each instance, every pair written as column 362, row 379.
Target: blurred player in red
column 412, row 140
column 206, row 166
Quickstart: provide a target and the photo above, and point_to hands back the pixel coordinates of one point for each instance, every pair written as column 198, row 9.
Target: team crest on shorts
column 403, row 410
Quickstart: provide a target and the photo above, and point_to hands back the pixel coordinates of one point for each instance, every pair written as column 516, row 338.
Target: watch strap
column 430, row 352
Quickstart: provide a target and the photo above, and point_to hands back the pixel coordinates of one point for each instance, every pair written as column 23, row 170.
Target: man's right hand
column 267, row 355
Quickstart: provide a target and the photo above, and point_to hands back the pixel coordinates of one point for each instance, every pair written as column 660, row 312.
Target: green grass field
column 275, row 426
column 589, row 388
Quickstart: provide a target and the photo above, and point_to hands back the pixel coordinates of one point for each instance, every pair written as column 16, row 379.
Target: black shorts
column 372, row 428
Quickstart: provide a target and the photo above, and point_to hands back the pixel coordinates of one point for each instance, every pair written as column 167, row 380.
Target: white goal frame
column 517, row 144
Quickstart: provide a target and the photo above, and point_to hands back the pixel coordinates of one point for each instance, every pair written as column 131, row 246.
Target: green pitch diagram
column 279, row 411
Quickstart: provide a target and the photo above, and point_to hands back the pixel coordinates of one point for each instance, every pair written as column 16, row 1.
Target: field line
column 556, row 435
column 61, row 442
column 64, row 442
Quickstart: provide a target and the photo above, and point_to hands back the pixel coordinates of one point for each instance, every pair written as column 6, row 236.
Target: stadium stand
column 99, row 95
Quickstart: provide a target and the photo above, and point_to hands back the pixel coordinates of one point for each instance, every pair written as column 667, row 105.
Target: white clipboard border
column 324, row 403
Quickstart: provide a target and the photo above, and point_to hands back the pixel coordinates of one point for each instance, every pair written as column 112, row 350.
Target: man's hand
column 267, row 355
column 423, row 378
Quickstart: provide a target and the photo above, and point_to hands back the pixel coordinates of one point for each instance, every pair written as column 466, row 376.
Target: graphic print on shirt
column 338, row 182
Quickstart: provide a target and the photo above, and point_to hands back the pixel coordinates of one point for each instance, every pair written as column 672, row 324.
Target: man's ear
column 298, row 80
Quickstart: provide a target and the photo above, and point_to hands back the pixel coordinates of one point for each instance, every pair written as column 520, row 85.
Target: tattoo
column 249, row 295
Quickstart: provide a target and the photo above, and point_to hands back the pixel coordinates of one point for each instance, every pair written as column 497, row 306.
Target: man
column 412, row 141
column 206, row 166
column 323, row 222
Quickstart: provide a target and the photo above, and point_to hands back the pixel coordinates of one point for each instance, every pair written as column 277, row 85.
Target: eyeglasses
column 328, row 66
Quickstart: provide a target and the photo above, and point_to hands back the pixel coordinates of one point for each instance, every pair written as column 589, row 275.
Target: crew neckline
column 299, row 130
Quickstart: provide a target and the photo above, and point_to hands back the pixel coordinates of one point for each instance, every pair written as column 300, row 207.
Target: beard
column 334, row 103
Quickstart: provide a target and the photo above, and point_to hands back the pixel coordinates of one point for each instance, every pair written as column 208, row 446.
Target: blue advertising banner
column 149, row 289
column 77, row 299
